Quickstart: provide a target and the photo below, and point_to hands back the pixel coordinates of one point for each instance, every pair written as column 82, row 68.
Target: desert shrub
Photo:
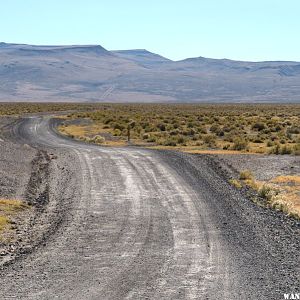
column 214, row 128
column 170, row 142
column 220, row 133
column 258, row 139
column 246, row 175
column 226, row 147
column 144, row 124
column 185, row 132
column 210, row 140
column 149, row 129
column 240, row 144
column 117, row 132
column 227, row 128
column 151, row 139
column 267, row 192
column 87, row 139
column 258, row 126
column 236, row 183
column 191, row 132
column 145, row 136
column 98, row 139
column 274, row 138
column 108, row 120
column 174, row 132
column 296, row 149
column 286, row 150
column 275, row 150
column 181, row 140
column 282, row 141
column 169, row 128
column 281, row 150
column 161, row 127
column 118, row 126
column 293, row 130
column 202, row 129
column 266, row 131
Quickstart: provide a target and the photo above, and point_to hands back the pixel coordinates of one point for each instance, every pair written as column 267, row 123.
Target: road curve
column 149, row 225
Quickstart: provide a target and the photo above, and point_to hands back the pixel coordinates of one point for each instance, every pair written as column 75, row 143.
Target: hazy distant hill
column 142, row 57
column 92, row 73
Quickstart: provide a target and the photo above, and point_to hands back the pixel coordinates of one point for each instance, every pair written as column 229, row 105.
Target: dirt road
column 153, row 225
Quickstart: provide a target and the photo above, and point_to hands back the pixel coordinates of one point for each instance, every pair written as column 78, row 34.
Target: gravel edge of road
column 47, row 191
column 226, row 172
column 255, row 224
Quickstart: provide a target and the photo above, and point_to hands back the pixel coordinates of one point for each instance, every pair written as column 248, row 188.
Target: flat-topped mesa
column 37, row 49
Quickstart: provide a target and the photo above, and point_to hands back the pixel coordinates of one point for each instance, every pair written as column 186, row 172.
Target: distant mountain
column 142, row 57
column 92, row 73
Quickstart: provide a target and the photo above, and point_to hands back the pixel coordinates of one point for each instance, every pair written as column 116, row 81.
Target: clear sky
column 235, row 29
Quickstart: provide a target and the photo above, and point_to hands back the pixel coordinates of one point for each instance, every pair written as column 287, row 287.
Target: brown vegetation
column 244, row 128
column 8, row 209
column 281, row 193
column 255, row 128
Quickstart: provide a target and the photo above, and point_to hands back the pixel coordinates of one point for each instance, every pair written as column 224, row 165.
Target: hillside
column 92, row 73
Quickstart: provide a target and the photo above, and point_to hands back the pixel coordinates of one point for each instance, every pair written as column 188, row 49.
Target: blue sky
column 236, row 29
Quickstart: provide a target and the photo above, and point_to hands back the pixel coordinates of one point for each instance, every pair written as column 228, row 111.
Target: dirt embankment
column 31, row 175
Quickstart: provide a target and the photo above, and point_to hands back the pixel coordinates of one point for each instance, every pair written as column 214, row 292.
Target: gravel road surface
column 152, row 225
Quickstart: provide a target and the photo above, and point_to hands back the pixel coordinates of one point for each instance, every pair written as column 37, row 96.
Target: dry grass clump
column 8, row 209
column 72, row 130
column 246, row 175
column 4, row 221
column 282, row 198
column 87, row 133
column 236, row 183
column 294, row 180
column 288, row 198
column 12, row 205
column 240, row 144
column 281, row 193
column 98, row 139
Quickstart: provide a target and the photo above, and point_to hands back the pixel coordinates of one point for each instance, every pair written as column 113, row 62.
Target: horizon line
column 143, row 49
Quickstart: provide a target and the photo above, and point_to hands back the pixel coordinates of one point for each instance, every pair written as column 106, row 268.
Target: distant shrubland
column 237, row 127
column 259, row 128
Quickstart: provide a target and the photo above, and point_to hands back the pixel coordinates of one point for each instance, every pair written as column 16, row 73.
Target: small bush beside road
column 281, row 193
